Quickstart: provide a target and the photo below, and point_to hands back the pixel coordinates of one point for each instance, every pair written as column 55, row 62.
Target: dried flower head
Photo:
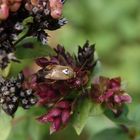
column 12, row 94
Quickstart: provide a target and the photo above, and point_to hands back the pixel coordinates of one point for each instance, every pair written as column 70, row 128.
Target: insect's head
column 68, row 72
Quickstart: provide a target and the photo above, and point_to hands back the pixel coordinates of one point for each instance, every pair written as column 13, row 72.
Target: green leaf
column 5, row 126
column 81, row 114
column 6, row 71
column 30, row 47
column 134, row 114
column 18, row 67
column 26, row 127
column 111, row 133
column 96, row 110
column 122, row 118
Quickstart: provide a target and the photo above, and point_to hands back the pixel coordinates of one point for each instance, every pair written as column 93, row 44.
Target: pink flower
column 109, row 92
column 4, row 11
column 58, row 116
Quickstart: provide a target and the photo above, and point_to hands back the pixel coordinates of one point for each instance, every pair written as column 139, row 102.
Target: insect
column 56, row 7
column 58, row 72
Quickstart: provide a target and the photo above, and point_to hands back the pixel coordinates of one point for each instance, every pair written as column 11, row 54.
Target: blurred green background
column 114, row 26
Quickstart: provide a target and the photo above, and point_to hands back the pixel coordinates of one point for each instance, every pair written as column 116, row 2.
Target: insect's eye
column 66, row 71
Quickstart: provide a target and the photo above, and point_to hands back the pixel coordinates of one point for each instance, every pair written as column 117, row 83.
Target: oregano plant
column 35, row 75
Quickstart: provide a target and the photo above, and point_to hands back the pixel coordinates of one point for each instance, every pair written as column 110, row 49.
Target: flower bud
column 63, row 104
column 56, row 8
column 126, row 98
column 65, row 116
column 14, row 7
column 55, row 126
column 45, row 118
column 109, row 92
column 42, row 62
column 4, row 11
column 49, row 117
column 54, row 112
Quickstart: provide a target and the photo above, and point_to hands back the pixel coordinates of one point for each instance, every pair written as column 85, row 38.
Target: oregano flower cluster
column 109, row 92
column 62, row 79
column 29, row 18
